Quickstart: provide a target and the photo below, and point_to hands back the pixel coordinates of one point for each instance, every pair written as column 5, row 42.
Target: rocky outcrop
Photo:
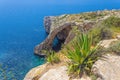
column 60, row 26
column 56, row 73
column 35, row 72
column 59, row 73
column 62, row 32
column 107, row 68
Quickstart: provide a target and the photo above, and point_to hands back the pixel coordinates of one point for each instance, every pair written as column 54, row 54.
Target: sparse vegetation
column 106, row 29
column 52, row 57
column 112, row 21
column 114, row 48
column 100, row 33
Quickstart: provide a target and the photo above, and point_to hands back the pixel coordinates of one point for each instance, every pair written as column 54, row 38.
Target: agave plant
column 81, row 54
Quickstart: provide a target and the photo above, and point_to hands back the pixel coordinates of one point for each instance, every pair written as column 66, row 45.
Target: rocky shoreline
column 61, row 27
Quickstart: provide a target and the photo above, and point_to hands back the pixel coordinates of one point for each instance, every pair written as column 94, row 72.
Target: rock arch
column 47, row 43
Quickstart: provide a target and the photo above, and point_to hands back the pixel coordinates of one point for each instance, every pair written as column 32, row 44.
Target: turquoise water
column 21, row 28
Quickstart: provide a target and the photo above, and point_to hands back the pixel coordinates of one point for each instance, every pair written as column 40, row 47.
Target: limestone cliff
column 107, row 68
column 61, row 26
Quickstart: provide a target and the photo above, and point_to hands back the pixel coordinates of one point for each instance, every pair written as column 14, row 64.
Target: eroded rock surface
column 106, row 43
column 47, row 23
column 59, row 73
column 37, row 71
column 108, row 68
column 56, row 73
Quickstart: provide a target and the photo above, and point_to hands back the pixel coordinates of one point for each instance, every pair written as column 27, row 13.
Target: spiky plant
column 81, row 55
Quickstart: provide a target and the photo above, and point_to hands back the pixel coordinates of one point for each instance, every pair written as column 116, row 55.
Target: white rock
column 59, row 73
column 106, row 43
column 35, row 72
column 118, row 37
column 107, row 68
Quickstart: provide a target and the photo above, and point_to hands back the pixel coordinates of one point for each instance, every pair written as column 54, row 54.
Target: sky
column 57, row 2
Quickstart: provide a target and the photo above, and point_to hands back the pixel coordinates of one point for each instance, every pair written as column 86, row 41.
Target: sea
column 22, row 28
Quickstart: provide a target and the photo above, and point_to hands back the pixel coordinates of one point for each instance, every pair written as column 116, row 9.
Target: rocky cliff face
column 48, row 22
column 61, row 26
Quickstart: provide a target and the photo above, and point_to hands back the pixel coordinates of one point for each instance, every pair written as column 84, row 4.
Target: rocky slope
column 107, row 68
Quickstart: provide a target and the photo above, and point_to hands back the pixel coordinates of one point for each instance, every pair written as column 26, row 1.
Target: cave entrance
column 60, row 38
column 57, row 44
column 55, row 39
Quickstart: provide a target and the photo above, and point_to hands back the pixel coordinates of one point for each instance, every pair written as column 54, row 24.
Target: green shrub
column 90, row 16
column 112, row 22
column 114, row 48
column 105, row 29
column 52, row 57
column 100, row 32
column 81, row 55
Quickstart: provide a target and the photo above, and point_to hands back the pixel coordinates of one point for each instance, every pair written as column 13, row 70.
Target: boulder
column 37, row 71
column 107, row 68
column 58, row 73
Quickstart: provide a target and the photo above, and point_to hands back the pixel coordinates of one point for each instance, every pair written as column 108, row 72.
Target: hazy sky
column 57, row 2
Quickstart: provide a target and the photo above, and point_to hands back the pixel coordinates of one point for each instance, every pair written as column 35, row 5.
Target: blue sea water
column 21, row 28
